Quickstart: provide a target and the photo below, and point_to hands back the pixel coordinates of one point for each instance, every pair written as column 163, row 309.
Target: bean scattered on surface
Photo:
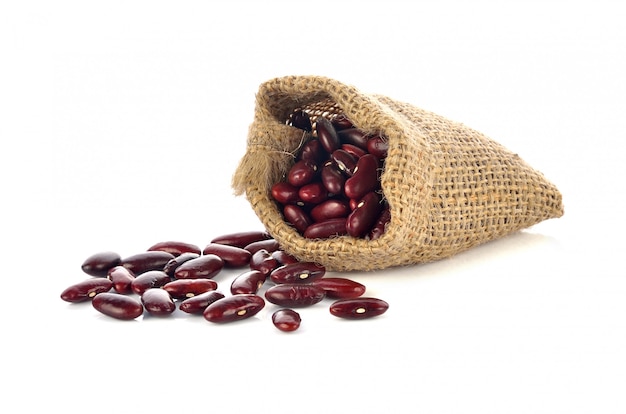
column 287, row 320
column 99, row 264
column 359, row 308
column 117, row 306
column 234, row 308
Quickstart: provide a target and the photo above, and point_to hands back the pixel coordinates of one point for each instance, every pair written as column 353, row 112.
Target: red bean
column 332, row 178
column 117, row 306
column 330, row 209
column 86, row 290
column 285, row 193
column 247, row 282
column 234, row 308
column 353, row 150
column 364, row 179
column 297, row 217
column 313, row 151
column 326, row 229
column 283, row 257
column 294, row 295
column 301, row 173
column 171, row 266
column 286, row 320
column 359, row 308
column 345, row 161
column 99, row 264
column 264, row 262
column 363, row 217
column 157, row 302
column 241, row 239
column 145, row 261
column 122, row 279
column 176, row 248
column 313, row 193
column 270, row 245
column 354, row 136
column 149, row 279
column 301, row 120
column 206, row 267
column 301, row 272
column 341, row 288
column 379, row 227
column 197, row 304
column 187, row 288
column 341, row 122
column 378, row 146
column 231, row 255
column 327, row 135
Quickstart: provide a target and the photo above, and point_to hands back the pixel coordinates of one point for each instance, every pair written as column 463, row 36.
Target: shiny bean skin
column 379, row 227
column 234, row 308
column 364, row 179
column 378, row 146
column 359, row 308
column 354, row 136
column 295, row 295
column 242, row 238
column 197, row 304
column 86, row 290
column 283, row 257
column 286, row 320
column 330, row 209
column 206, row 266
column 353, row 150
column 270, row 245
column 176, row 248
column 345, row 161
column 117, row 306
column 332, row 178
column 341, row 122
column 158, row 302
column 301, row 120
column 313, row 151
column 99, row 264
column 327, row 135
column 313, row 193
column 301, row 173
column 285, row 193
column 149, row 279
column 187, row 288
column 340, row 288
column 264, row 262
column 364, row 216
column 326, row 229
column 122, row 279
column 231, row 255
column 145, row 261
column 171, row 266
column 297, row 217
column 301, row 272
column 247, row 282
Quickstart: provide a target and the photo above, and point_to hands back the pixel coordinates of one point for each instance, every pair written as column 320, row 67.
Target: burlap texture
column 449, row 187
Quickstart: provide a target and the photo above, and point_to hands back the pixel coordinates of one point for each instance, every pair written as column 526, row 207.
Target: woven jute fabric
column 448, row 186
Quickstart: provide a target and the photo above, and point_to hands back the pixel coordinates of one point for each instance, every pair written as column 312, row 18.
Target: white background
column 123, row 121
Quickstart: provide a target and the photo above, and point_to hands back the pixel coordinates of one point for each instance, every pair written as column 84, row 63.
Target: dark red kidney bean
column 326, row 229
column 231, row 255
column 176, row 248
column 285, row 193
column 332, row 178
column 364, row 179
column 121, row 278
column 157, row 302
column 301, row 120
column 345, row 161
column 294, row 295
column 171, row 266
column 247, row 282
column 85, row 290
column 327, row 135
column 283, row 257
column 353, row 150
column 117, row 306
column 99, row 264
column 145, row 261
column 203, row 267
column 301, row 272
column 297, row 217
column 313, row 193
column 264, row 262
column 149, row 279
column 242, row 238
column 187, row 288
column 363, row 217
column 330, row 209
column 197, row 304
column 341, row 122
column 359, row 308
column 340, row 288
column 286, row 320
column 270, row 245
column 234, row 308
column 378, row 146
column 313, row 151
column 354, row 136
column 301, row 173
column 380, row 226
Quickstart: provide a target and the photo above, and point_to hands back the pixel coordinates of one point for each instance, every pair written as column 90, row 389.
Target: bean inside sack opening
column 448, row 187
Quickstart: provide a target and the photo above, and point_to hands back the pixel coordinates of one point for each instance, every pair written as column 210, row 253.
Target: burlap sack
column 449, row 187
